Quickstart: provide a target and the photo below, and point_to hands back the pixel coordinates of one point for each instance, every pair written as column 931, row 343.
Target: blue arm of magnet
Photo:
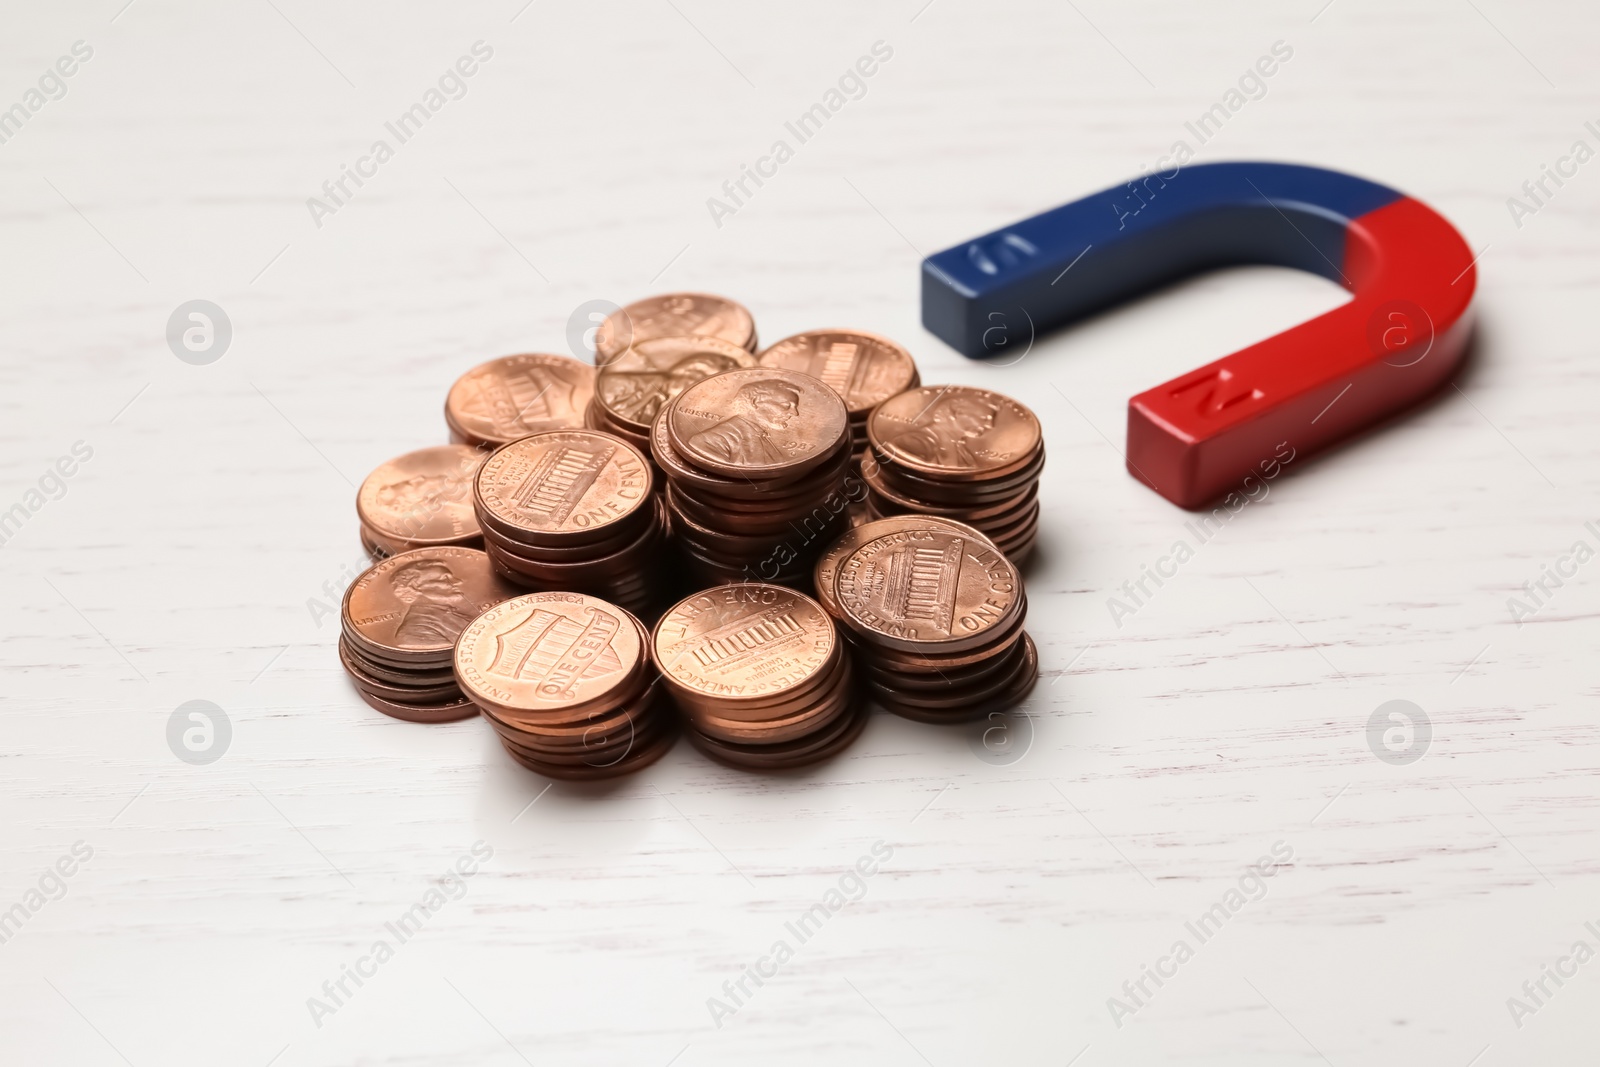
column 1119, row 243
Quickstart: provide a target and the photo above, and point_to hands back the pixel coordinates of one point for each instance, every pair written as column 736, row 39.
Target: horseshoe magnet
column 1195, row 437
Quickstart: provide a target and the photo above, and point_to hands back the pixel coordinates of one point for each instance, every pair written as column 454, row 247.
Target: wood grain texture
column 1170, row 752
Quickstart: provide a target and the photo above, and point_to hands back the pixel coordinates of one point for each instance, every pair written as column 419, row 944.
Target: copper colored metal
column 1021, row 684
column 420, row 499
column 562, row 487
column 743, row 643
column 395, row 686
column 511, row 397
column 961, row 453
column 757, row 424
column 556, row 653
column 409, row 608
column 674, row 315
column 566, row 681
column 759, row 673
column 863, row 368
column 631, row 388
column 955, row 432
column 927, row 589
column 801, row 752
column 451, row 711
column 827, row 565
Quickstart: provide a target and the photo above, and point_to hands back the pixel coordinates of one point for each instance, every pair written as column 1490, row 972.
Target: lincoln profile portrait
column 435, row 604
column 943, row 434
column 744, row 438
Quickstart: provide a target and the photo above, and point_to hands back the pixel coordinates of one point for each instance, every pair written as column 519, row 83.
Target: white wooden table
column 185, row 558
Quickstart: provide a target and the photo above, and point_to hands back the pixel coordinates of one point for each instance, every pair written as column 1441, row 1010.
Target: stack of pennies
column 674, row 315
column 755, row 462
column 419, row 500
column 573, row 510
column 630, row 389
column 961, row 453
column 511, row 397
column 760, row 675
column 864, row 368
column 936, row 615
column 399, row 623
column 567, row 682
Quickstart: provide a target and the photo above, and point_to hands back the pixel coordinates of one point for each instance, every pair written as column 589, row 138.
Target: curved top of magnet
column 1084, row 256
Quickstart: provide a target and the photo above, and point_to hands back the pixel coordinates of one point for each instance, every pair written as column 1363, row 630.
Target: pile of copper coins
column 567, row 682
column 398, row 627
column 573, row 510
column 755, row 462
column 935, row 614
column 760, row 674
column 752, row 548
column 959, row 453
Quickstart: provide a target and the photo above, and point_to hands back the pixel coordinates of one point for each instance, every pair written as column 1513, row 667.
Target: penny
column 379, row 551
column 1021, row 685
column 822, row 520
column 761, row 526
column 565, row 485
column 640, row 717
column 548, row 653
column 973, row 506
column 741, row 486
column 823, row 523
column 757, row 423
column 786, row 500
column 511, row 397
column 570, row 569
column 954, row 432
column 503, row 545
column 451, row 711
column 596, row 419
column 421, row 498
column 812, row 721
column 743, row 642
column 591, row 733
column 598, row 756
column 410, row 607
column 924, row 658
column 617, row 589
column 799, row 753
column 949, row 490
column 585, row 746
column 674, row 315
column 378, row 547
column 774, row 708
column 930, row 589
column 1008, row 532
column 944, row 681
column 796, row 719
column 863, row 368
column 632, row 387
column 401, row 690
column 967, row 691
column 827, row 565
column 1013, row 526
column 566, row 681
column 395, row 674
column 638, row 758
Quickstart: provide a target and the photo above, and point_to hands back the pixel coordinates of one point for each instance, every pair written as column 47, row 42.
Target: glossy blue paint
column 1080, row 258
